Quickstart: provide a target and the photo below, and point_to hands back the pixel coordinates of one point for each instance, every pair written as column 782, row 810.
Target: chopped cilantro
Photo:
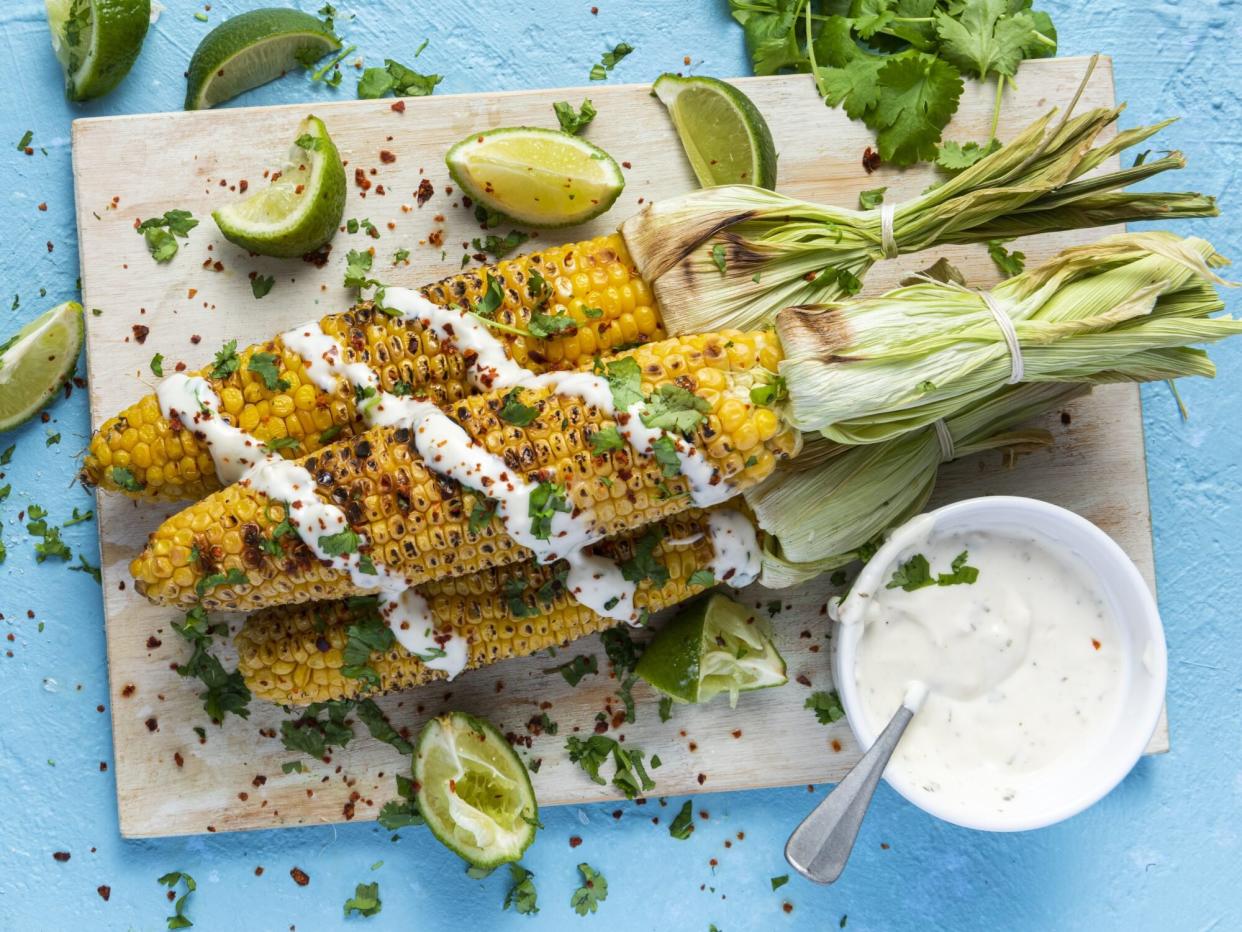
column 234, row 577
column 267, row 367
column 546, row 500
column 826, row 705
column 481, row 514
column 574, row 121
column 179, row 920
column 625, row 379
column 574, row 670
column 664, row 449
column 718, row 257
column 260, row 285
column 683, row 823
column 591, row 754
column 544, row 326
column 1009, row 263
column 161, row 233
column 124, row 478
column 226, row 692
column 86, row 567
column 493, row 297
column 666, row 711
column 365, row 901
column 499, row 246
column 515, row 598
column 380, row 728
column 24, row 143
column 340, row 543
column 52, row 439
column 521, row 895
column 673, row 408
column 293, row 766
column 396, row 79
column 622, row 652
column 330, row 434
column 514, row 411
column 357, row 266
column 915, row 573
column 226, row 361
column 369, row 635
column 157, row 365
column 644, row 565
column 605, row 439
column 401, row 255
column 869, row 200
column 609, row 60
column 403, row 811
column 704, row 578
column 778, row 882
column 312, row 735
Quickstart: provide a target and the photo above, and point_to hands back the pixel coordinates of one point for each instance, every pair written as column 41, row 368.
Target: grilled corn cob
column 294, row 655
column 141, row 453
column 222, row 551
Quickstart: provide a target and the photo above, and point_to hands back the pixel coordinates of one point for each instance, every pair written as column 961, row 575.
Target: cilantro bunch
column 898, row 65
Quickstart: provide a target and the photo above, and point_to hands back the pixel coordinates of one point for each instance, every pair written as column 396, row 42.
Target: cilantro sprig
column 161, row 233
column 594, row 890
column 898, row 65
column 915, row 573
column 629, row 776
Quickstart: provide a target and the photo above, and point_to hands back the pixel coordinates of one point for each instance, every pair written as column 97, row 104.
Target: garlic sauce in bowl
column 1040, row 649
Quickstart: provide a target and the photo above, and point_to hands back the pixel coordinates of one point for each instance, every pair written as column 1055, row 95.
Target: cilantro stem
column 516, row 331
column 1051, row 43
column 810, row 50
column 996, row 106
column 320, row 72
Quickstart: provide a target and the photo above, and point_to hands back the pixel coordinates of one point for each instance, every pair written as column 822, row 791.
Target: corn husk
column 779, row 251
column 1125, row 308
column 823, row 518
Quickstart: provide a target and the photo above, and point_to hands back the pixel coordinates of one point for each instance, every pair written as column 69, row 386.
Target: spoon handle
column 820, row 846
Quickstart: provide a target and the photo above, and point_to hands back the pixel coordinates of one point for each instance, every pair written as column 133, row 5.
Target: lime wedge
column 725, row 136
column 539, row 177
column 36, row 361
column 301, row 209
column 473, row 790
column 714, row 645
column 252, row 49
column 97, row 41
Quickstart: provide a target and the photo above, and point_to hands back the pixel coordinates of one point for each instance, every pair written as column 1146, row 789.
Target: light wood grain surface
column 169, row 782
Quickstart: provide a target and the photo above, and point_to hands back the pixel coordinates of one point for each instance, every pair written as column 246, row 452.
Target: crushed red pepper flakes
column 702, row 778
column 883, row 846
column 398, row 107
column 787, row 906
column 574, row 841
column 104, row 891
column 61, row 856
column 804, row 679
column 140, row 333
column 153, row 724
column 300, row 877
column 103, row 766
column 836, row 745
column 153, row 642
column 870, row 160
column 258, row 871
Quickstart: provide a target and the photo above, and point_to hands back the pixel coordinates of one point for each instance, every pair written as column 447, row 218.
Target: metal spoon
column 819, row 848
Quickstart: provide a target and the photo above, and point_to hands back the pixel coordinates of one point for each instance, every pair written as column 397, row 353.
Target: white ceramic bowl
column 1074, row 783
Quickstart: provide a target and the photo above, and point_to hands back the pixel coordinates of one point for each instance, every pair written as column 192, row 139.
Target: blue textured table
column 1162, row 852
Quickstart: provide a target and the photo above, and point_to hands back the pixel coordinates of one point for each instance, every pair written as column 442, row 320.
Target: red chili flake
column 387, row 157
column 574, row 841
column 595, row 11
column 436, row 238
column 178, row 759
column 300, row 877
column 626, row 165
column 424, row 192
column 242, row 186
column 128, row 690
column 399, row 107
column 196, row 339
column 702, row 778
column 737, row 733
column 361, row 179
column 152, row 724
column 153, row 642
column 258, row 780
column 870, row 160
column 883, row 846
column 103, row 766
column 99, row 708
column 685, row 60
column 348, row 810
column 319, row 258
column 787, row 906
column 1095, row 643
column 693, row 747
column 836, row 745
column 616, row 813
column 61, row 856
column 43, row 206
column 804, row 679
column 140, row 333
column 713, row 862
column 104, row 890
column 258, row 871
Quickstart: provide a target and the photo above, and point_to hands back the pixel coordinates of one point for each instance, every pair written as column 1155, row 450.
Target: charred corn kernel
column 416, row 523
column 398, row 350
column 285, row 654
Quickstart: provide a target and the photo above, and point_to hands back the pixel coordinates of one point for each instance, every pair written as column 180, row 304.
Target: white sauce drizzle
column 447, row 449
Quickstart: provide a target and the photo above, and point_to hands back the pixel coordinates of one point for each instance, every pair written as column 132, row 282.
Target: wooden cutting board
column 171, row 782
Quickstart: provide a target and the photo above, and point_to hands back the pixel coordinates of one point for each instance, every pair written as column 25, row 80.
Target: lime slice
column 539, row 177
column 473, row 790
column 299, row 211
column 725, row 136
column 35, row 362
column 714, row 645
column 97, row 41
column 252, row 49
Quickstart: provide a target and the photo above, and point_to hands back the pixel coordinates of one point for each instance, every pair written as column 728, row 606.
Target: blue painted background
column 1163, row 852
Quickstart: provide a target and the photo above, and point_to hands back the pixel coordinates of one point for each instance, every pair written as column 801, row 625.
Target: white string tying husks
column 947, row 451
column 888, row 244
column 1011, row 337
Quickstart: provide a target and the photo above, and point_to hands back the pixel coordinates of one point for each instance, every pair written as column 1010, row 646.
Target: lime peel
column 97, row 42
column 37, row 361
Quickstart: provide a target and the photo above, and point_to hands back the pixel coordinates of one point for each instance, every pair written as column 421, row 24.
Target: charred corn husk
column 140, row 452
column 227, row 551
column 295, row 655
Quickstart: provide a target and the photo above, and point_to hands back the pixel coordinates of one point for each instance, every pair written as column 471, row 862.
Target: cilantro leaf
column 261, row 285
column 574, row 670
column 704, row 578
column 644, row 565
column 365, row 901
column 960, row 573
column 499, row 246
column 481, row 514
column 621, row 650
column 666, row 711
column 86, row 567
column 157, row 365
column 522, row 895
column 544, row 326
column 226, row 361
column 340, row 543
column 403, row 811
column 1009, row 263
column 683, row 823
column 594, row 890
column 609, row 60
column 674, row 408
column 178, row 919
column 869, row 200
column 985, row 38
column 918, row 96
column 380, row 728
column 574, row 121
column 664, row 449
column 234, row 577
column 312, row 735
column 397, row 79
column 493, row 297
column 357, row 266
column 592, row 753
column 267, row 367
column 625, row 379
column 826, row 705
column 958, row 156
column 778, row 882
column 914, row 573
column 606, row 439
column 546, row 500
column 368, row 635
column 514, row 412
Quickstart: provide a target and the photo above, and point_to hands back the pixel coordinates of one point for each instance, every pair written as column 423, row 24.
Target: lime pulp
column 97, row 41
column 36, row 361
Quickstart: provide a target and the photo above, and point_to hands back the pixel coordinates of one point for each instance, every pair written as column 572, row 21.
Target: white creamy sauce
column 1013, row 672
column 191, row 400
column 447, row 449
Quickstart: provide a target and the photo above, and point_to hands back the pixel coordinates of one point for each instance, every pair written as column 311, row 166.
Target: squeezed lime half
column 725, row 137
column 473, row 790
column 714, row 645
column 300, row 210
